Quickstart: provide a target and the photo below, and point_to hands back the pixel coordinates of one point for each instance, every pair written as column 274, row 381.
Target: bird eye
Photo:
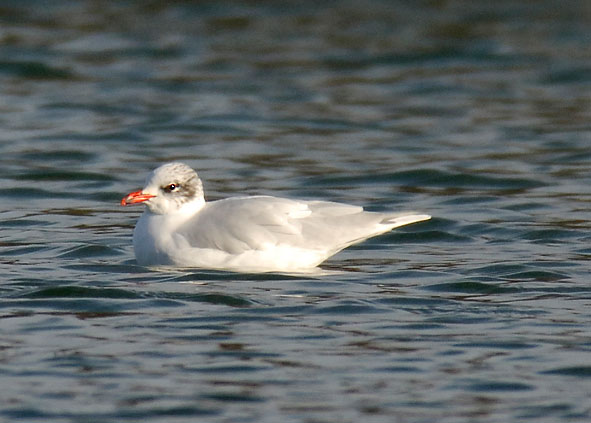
column 170, row 187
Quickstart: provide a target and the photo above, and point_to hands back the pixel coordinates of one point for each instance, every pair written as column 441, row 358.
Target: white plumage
column 249, row 234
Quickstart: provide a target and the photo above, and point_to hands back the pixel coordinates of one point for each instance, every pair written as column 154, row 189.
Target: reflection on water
column 475, row 113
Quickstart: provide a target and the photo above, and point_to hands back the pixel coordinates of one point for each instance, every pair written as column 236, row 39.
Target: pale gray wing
column 240, row 224
column 334, row 226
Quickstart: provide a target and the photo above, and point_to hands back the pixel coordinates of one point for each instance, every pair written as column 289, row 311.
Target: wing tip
column 405, row 219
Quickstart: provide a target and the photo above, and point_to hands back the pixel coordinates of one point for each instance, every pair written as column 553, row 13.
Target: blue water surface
column 478, row 113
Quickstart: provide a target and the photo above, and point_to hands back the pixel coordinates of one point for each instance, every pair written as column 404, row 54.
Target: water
column 476, row 113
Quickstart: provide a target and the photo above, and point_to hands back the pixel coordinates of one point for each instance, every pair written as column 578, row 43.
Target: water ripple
column 473, row 112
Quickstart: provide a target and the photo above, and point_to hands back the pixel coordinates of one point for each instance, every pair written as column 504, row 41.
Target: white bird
column 245, row 234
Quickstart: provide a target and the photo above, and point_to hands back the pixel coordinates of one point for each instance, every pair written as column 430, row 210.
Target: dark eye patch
column 171, row 187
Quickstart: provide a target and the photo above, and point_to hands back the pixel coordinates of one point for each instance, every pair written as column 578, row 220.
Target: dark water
column 475, row 112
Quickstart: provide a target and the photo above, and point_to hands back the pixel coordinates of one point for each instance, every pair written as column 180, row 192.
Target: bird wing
column 240, row 224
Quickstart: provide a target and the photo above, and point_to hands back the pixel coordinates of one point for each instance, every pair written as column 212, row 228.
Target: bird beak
column 135, row 197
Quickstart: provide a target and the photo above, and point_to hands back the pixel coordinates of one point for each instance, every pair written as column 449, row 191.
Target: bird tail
column 402, row 219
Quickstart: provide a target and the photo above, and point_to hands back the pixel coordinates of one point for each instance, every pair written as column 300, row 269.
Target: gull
column 244, row 234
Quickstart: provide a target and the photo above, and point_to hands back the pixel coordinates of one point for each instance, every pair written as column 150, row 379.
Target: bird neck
column 188, row 209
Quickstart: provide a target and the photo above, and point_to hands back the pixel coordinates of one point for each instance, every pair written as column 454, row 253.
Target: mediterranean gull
column 245, row 234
